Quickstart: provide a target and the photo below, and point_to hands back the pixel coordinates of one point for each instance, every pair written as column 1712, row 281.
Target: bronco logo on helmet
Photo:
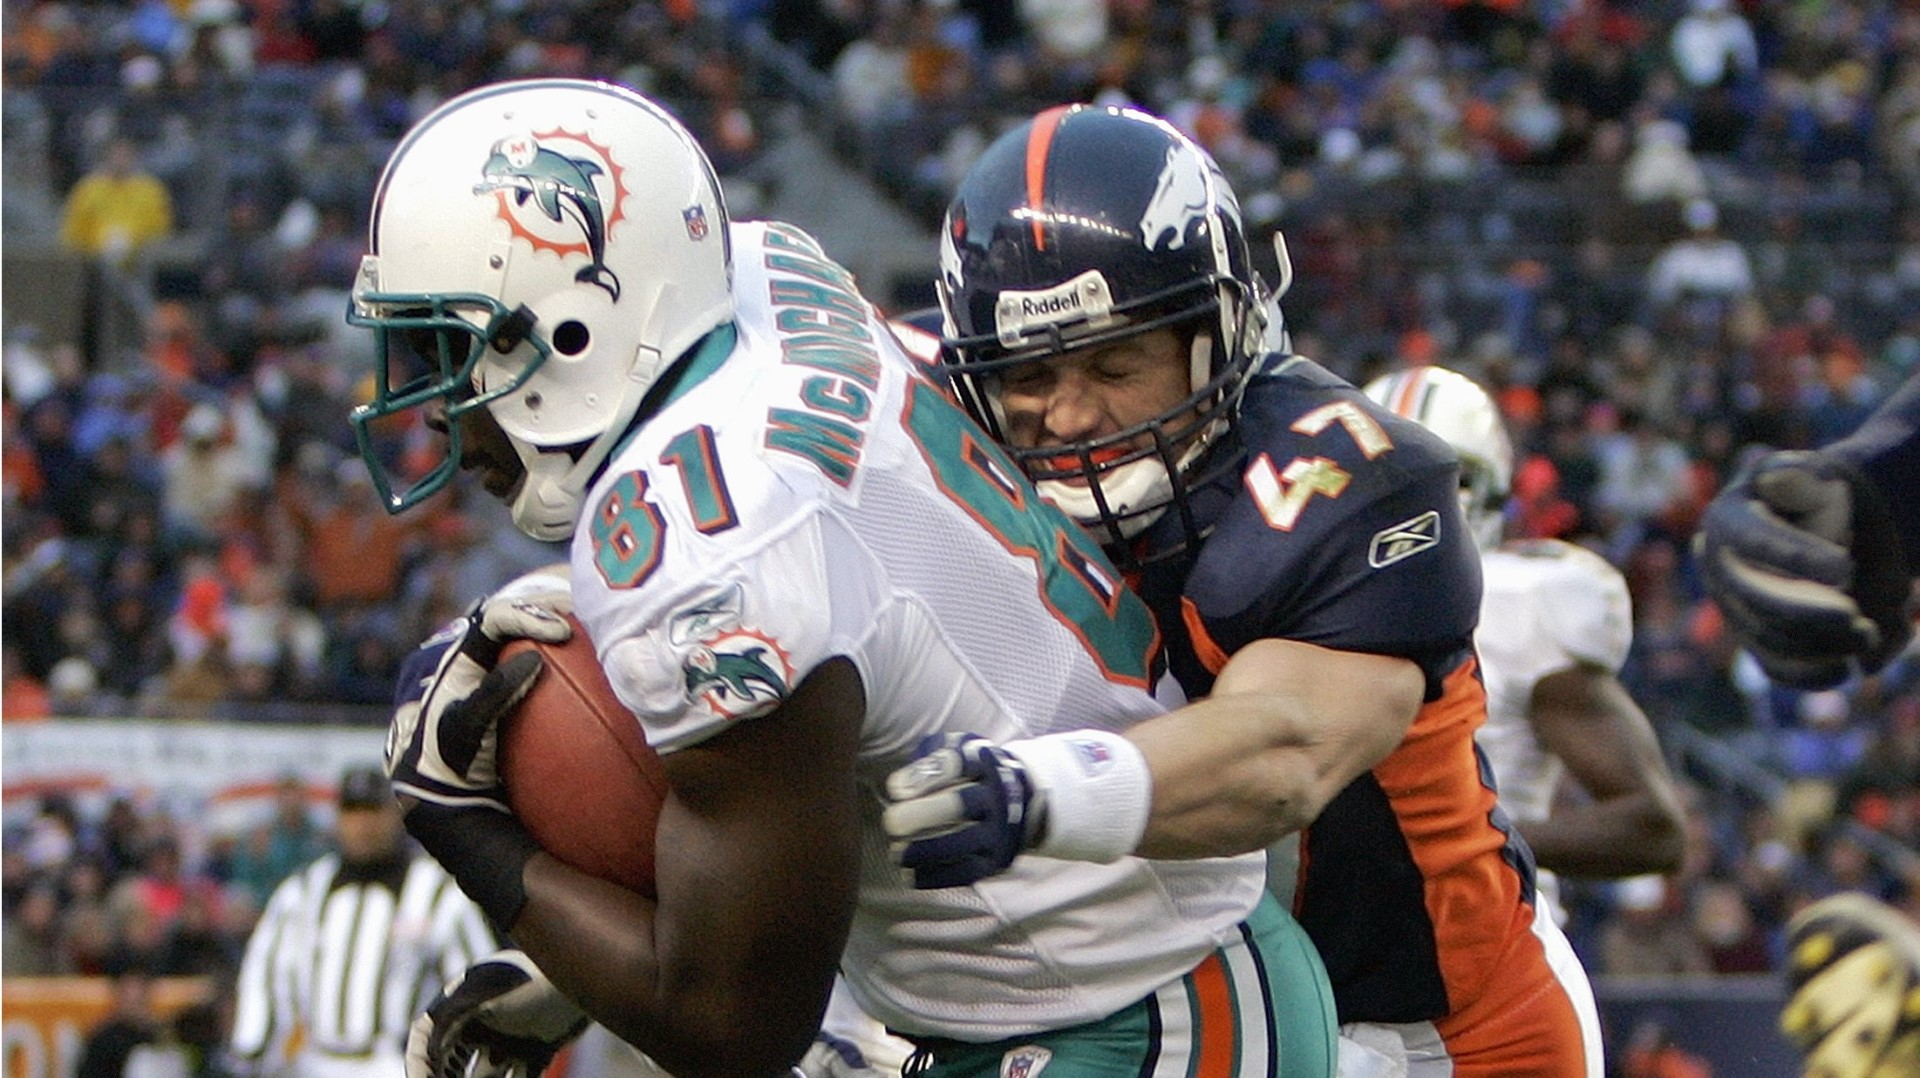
column 562, row 187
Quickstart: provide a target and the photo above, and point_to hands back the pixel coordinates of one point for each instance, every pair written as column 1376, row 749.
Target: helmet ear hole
column 571, row 337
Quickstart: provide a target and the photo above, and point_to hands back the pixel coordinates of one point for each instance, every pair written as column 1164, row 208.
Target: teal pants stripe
column 1278, row 1022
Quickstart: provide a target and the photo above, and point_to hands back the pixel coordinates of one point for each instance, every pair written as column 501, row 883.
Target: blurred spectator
column 52, row 836
column 124, row 838
column 1644, row 477
column 32, row 939
column 1725, row 926
column 358, row 551
column 163, row 887
column 194, row 946
column 271, row 852
column 1069, row 37
column 1649, row 934
column 870, row 74
column 1714, row 43
column 1704, row 263
column 1661, row 169
column 1825, row 744
column 1651, row 1053
column 131, row 1024
column 275, row 649
column 23, row 698
column 73, row 688
column 118, row 209
column 1842, row 863
column 198, row 627
column 205, row 472
column 1883, row 790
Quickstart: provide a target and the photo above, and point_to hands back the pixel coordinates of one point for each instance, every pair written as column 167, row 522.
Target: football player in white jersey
column 796, row 559
column 1555, row 625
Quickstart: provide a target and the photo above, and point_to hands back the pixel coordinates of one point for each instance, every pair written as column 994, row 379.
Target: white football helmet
column 1449, row 404
column 546, row 248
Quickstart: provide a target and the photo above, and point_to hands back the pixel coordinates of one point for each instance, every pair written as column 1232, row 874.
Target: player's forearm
column 1221, row 783
column 756, row 869
column 1288, row 727
column 1625, row 836
column 596, row 941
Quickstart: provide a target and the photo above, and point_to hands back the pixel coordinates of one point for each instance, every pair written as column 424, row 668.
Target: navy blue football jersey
column 1343, row 529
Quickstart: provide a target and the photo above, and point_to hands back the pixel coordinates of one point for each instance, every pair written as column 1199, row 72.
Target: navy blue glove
column 1801, row 555
column 961, row 811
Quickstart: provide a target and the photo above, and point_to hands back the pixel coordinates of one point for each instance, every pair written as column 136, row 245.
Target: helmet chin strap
column 1125, row 488
column 1129, row 487
column 548, row 505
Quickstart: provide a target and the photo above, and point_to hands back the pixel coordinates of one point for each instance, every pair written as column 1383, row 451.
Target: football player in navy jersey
column 1304, row 554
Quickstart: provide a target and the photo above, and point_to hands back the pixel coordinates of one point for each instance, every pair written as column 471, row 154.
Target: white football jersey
column 1546, row 606
column 803, row 494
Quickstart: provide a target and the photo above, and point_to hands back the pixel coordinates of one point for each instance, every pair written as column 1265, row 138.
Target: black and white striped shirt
column 348, row 955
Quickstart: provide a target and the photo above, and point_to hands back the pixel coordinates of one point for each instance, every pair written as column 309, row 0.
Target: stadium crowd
column 1661, row 233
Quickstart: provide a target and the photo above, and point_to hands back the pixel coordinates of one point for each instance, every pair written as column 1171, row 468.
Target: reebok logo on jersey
column 1026, row 1061
column 1404, row 540
column 707, row 616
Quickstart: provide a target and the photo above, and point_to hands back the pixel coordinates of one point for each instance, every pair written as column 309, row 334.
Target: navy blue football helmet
column 1084, row 226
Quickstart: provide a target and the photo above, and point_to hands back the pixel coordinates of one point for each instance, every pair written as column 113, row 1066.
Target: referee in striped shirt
column 350, row 948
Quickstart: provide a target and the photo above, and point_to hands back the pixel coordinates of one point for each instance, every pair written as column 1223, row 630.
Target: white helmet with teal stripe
column 1449, row 404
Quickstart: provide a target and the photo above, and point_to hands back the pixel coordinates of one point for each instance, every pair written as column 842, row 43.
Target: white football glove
column 502, row 1019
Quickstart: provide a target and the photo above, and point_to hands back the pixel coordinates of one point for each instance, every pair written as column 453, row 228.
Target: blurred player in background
column 349, row 947
column 1812, row 556
column 1305, row 558
column 796, row 559
column 1555, row 625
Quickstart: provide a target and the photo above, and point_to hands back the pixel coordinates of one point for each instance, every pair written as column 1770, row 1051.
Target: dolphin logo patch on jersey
column 1404, row 540
column 549, row 188
column 739, row 674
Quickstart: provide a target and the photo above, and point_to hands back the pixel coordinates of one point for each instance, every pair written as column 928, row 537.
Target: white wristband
column 1095, row 789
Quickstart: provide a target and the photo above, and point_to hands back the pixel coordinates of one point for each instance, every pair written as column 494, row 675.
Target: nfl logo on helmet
column 696, row 218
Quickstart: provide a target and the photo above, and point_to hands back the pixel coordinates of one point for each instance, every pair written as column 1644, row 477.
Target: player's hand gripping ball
column 578, row 771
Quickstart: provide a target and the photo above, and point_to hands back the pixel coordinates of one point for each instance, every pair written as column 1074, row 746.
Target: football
column 578, row 772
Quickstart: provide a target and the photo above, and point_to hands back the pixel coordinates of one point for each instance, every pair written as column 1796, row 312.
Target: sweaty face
column 1095, row 392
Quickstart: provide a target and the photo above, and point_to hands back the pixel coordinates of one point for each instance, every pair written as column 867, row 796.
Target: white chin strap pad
column 548, row 504
column 1128, row 487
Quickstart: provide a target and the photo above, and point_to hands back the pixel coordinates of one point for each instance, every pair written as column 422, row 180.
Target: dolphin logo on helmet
column 558, row 186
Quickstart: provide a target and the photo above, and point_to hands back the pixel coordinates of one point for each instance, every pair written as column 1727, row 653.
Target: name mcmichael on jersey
column 736, row 671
